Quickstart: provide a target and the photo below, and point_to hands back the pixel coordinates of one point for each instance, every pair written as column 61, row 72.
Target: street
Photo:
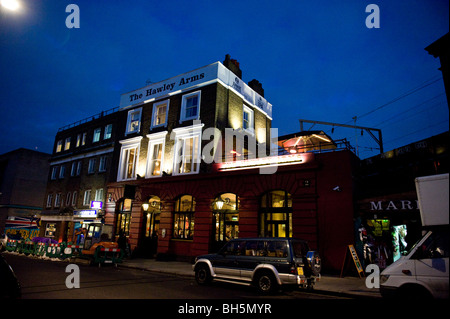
column 44, row 279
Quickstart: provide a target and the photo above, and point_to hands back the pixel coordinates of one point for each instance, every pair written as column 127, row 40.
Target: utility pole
column 370, row 130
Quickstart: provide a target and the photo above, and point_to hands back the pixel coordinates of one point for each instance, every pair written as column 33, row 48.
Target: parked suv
column 266, row 263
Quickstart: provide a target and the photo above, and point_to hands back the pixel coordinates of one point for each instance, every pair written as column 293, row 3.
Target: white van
column 423, row 271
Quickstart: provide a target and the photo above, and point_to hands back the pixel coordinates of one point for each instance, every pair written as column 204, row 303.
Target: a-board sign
column 355, row 258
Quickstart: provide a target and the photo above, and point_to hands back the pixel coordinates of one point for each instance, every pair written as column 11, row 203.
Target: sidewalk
column 351, row 286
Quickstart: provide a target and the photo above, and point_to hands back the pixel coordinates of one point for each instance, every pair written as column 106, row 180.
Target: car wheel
column 265, row 282
column 202, row 275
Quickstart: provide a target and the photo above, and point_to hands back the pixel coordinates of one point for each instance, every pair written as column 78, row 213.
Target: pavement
column 328, row 284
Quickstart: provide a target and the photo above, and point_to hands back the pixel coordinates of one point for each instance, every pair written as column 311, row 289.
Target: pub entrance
column 150, row 227
column 225, row 220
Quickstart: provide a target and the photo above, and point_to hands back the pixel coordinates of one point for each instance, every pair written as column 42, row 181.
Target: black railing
column 88, row 119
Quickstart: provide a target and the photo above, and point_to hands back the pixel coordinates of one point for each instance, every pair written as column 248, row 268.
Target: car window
column 234, row 248
column 276, row 249
column 435, row 246
column 300, row 248
column 255, row 248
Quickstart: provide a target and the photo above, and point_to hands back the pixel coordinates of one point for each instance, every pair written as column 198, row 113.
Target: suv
column 266, row 263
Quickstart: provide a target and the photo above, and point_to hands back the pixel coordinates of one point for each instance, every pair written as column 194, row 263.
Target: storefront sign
column 403, row 204
column 203, row 76
column 264, row 161
column 86, row 213
column 96, row 204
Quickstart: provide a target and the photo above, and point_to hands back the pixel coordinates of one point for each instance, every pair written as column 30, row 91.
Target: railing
column 90, row 118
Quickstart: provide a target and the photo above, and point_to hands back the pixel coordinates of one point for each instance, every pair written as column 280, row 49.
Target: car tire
column 202, row 275
column 265, row 282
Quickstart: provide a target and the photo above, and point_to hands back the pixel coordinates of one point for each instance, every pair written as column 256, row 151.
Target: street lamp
column 12, row 5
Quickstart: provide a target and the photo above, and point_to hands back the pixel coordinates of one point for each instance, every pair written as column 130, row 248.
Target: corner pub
column 171, row 204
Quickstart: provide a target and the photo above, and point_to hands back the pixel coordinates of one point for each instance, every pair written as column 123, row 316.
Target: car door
column 225, row 265
column 432, row 263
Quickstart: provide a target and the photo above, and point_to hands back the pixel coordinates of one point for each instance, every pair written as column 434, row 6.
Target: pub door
column 225, row 228
column 150, row 233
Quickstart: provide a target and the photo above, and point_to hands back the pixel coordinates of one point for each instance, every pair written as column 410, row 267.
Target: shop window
column 190, row 107
column 124, row 217
column 183, row 224
column 160, row 112
column 133, row 121
column 50, row 230
column 276, row 214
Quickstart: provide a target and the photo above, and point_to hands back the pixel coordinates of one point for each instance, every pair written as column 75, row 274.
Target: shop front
column 387, row 227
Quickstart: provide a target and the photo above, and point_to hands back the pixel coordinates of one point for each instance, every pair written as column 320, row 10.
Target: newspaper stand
column 104, row 255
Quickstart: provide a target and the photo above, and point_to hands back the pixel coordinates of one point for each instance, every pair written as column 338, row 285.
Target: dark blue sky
column 317, row 60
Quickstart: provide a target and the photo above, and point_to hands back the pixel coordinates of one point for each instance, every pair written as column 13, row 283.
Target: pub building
column 173, row 202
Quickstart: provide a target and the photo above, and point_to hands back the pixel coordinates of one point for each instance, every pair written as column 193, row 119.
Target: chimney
column 256, row 86
column 232, row 65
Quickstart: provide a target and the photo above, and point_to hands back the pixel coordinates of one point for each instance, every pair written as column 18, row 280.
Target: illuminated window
column 108, row 132
column 87, row 197
column 97, row 133
column 133, row 121
column 128, row 161
column 160, row 112
column 248, row 119
column 187, row 150
column 67, row 144
column 183, row 222
column 49, row 200
column 276, row 214
column 124, row 217
column 78, row 140
column 59, row 146
column 155, row 158
column 190, row 107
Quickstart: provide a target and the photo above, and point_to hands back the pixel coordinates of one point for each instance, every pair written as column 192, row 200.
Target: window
column 59, row 146
column 102, row 165
column 49, row 200
column 50, row 229
column 58, row 200
column 87, row 197
column 128, row 161
column 83, row 140
column 183, row 224
column 249, row 119
column 73, row 169
column 276, row 214
column 124, row 217
column 190, row 107
column 67, row 144
column 160, row 112
column 99, row 195
column 79, row 168
column 74, row 198
column 155, row 158
column 187, row 149
column 54, row 172
column 91, row 167
column 97, row 133
column 62, row 171
column 134, row 121
column 68, row 199
column 108, row 132
column 78, row 140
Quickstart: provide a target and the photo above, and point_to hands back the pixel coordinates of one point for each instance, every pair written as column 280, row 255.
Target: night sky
column 316, row 60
